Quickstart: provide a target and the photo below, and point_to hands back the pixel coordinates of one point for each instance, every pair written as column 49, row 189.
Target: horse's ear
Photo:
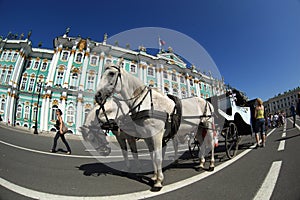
column 120, row 62
column 107, row 65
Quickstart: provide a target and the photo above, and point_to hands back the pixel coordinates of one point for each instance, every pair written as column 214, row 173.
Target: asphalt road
column 28, row 169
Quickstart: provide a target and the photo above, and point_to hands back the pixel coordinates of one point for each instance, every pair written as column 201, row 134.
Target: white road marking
column 80, row 156
column 281, row 145
column 135, row 195
column 266, row 190
column 298, row 127
column 282, row 142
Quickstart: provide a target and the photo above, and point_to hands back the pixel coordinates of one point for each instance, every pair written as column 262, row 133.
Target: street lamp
column 39, row 86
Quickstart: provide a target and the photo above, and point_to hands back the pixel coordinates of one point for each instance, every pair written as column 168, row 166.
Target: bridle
column 135, row 104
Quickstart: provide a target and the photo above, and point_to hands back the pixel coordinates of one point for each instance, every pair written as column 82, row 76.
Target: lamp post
column 39, row 86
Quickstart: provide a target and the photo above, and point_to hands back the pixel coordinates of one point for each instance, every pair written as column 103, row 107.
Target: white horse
column 196, row 112
column 112, row 117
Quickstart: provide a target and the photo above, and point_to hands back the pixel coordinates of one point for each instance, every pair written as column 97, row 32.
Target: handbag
column 64, row 128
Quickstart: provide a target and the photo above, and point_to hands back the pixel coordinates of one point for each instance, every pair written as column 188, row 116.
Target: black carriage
column 233, row 118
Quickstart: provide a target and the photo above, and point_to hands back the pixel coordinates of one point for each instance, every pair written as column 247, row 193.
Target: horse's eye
column 111, row 73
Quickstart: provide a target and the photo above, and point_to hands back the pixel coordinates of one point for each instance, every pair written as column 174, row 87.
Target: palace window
column 79, row 57
column 59, row 78
column 31, row 83
column 53, row 112
column 165, row 74
column 34, row 113
column 26, row 112
column 74, row 81
column 24, row 82
column 15, row 57
column 191, row 82
column 65, row 56
column 19, row 111
column 3, row 56
column 182, row 79
column 175, row 91
column 86, row 112
column 150, row 71
column 90, row 84
column 183, row 93
column 166, row 90
column 2, row 106
column 28, row 64
column 44, row 66
column 8, row 77
column 36, row 65
column 8, row 56
column 93, row 60
column 133, row 69
column 108, row 61
column 174, row 78
column 70, row 114
column 2, row 75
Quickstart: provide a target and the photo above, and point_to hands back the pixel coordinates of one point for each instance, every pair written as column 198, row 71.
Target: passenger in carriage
column 260, row 123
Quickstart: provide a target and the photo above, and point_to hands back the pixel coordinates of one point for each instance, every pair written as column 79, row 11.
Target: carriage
column 233, row 117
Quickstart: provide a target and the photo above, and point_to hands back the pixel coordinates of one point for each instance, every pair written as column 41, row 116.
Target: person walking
column 298, row 105
column 61, row 130
column 260, row 123
column 293, row 113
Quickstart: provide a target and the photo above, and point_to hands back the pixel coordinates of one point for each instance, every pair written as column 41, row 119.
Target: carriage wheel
column 194, row 147
column 231, row 140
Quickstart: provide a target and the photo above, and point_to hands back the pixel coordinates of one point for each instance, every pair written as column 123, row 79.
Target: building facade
column 35, row 82
column 282, row 102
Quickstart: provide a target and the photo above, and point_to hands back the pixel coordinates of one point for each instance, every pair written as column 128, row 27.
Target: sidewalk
column 40, row 133
column 48, row 133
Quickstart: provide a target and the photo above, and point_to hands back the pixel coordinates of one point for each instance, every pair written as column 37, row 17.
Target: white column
column 46, row 111
column 19, row 73
column 12, row 108
column 188, row 85
column 69, row 67
column 197, row 87
column 140, row 67
column 178, row 85
column 62, row 105
column 17, row 69
column 158, row 77
column 162, row 78
column 7, row 106
column 42, row 118
column 145, row 67
column 101, row 64
column 84, row 69
column 79, row 111
column 52, row 67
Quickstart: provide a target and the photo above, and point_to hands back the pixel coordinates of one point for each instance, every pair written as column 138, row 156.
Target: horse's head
column 97, row 138
column 110, row 83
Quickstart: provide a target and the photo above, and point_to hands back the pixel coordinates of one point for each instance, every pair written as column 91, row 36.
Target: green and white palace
column 34, row 82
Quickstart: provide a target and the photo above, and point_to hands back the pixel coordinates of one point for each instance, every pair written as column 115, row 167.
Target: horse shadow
column 100, row 169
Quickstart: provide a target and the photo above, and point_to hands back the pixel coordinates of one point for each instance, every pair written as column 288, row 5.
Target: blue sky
column 255, row 44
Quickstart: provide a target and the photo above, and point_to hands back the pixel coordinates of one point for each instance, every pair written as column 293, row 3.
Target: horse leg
column 175, row 146
column 157, row 139
column 122, row 143
column 201, row 154
column 212, row 143
column 132, row 144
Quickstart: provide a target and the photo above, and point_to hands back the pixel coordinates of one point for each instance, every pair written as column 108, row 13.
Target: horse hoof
column 211, row 169
column 198, row 168
column 153, row 178
column 157, row 185
column 155, row 189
